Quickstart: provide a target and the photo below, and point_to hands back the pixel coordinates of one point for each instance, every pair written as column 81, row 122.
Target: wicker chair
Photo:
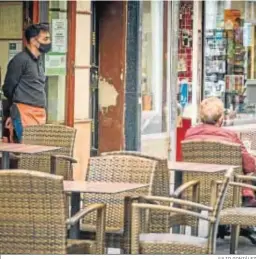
column 212, row 152
column 33, row 219
column 249, row 136
column 144, row 242
column 161, row 187
column 119, row 168
column 238, row 216
column 57, row 162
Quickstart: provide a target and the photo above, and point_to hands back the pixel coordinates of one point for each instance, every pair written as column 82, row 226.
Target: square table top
column 100, row 187
column 25, row 149
column 198, row 167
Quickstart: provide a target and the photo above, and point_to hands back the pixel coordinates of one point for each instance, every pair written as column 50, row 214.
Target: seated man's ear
column 220, row 121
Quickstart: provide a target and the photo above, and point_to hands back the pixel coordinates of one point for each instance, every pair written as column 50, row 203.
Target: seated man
column 212, row 116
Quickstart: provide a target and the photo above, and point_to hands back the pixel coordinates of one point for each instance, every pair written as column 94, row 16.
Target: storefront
column 67, row 66
column 229, row 68
column 68, row 69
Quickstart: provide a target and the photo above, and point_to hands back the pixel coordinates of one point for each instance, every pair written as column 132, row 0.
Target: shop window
column 185, row 44
column 152, row 67
column 230, row 64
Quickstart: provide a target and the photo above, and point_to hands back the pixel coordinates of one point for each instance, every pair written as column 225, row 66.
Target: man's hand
column 8, row 123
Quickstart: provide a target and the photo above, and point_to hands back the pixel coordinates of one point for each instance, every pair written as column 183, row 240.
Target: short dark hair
column 238, row 20
column 33, row 30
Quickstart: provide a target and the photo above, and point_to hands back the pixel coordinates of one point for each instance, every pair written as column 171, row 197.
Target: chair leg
column 183, row 230
column 194, row 231
column 235, row 229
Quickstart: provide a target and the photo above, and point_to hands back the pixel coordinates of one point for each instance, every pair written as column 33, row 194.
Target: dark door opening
column 94, row 80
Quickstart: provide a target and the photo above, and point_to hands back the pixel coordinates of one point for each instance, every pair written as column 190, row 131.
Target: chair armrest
column 195, row 184
column 245, row 177
column 82, row 213
column 174, row 209
column 54, row 159
column 236, row 193
column 67, row 158
column 242, row 185
column 179, row 201
column 100, row 223
column 12, row 156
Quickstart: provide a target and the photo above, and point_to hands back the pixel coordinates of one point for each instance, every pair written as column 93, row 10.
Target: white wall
column 57, row 84
column 82, row 88
column 83, row 43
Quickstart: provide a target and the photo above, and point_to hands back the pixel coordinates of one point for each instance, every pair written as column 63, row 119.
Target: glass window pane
column 229, row 50
column 152, row 67
column 184, row 93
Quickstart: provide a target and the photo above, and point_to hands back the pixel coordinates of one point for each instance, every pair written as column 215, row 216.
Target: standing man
column 24, row 85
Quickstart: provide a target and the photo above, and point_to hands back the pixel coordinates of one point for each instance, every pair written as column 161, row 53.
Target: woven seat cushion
column 75, row 246
column 172, row 244
column 238, row 216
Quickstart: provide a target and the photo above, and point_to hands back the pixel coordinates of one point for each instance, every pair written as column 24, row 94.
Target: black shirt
column 25, row 80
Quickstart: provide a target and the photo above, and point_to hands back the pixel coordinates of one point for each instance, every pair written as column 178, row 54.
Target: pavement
column 245, row 247
column 151, row 123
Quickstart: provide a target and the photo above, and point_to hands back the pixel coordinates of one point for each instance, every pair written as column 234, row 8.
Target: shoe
column 223, row 230
column 248, row 233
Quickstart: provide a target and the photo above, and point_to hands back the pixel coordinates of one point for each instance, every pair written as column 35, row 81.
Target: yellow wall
column 4, row 58
column 82, row 148
column 83, row 43
column 10, row 26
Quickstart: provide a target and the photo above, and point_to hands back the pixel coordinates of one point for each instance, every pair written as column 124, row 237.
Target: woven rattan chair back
column 116, row 168
column 160, row 187
column 49, row 135
column 32, row 213
column 250, row 137
column 210, row 152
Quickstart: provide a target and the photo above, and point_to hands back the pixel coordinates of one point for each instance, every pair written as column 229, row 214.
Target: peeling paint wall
column 112, row 33
column 107, row 95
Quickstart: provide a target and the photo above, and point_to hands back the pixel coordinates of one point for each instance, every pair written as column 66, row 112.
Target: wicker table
column 7, row 148
column 199, row 167
column 77, row 187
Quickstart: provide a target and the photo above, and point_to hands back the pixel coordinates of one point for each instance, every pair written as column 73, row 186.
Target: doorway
column 94, row 79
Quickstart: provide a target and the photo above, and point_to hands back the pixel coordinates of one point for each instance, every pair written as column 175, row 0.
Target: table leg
column 75, row 207
column 177, row 183
column 5, row 160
